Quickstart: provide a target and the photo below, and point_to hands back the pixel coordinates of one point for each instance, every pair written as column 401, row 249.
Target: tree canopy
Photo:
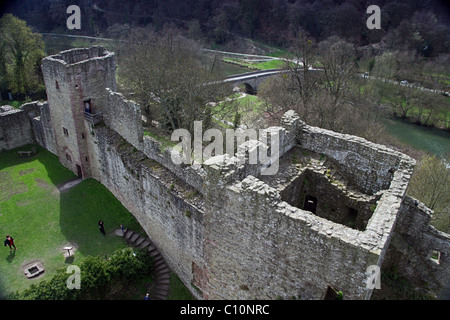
column 21, row 51
column 411, row 24
column 168, row 75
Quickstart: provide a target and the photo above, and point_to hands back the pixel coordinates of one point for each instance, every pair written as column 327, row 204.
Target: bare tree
column 385, row 66
column 280, row 95
column 437, row 71
column 299, row 63
column 338, row 60
column 321, row 85
column 405, row 99
column 430, row 184
column 170, row 77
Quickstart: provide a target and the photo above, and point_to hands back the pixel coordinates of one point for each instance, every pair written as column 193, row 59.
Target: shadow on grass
column 56, row 172
column 81, row 207
column 12, row 255
column 69, row 260
column 11, row 157
column 67, row 217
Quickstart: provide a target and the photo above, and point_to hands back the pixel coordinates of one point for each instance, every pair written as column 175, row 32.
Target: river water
column 431, row 140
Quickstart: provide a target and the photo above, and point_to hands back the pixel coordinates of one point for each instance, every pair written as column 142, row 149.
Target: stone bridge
column 252, row 80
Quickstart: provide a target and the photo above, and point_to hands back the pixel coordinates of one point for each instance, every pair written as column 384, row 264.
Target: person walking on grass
column 10, row 242
column 101, row 227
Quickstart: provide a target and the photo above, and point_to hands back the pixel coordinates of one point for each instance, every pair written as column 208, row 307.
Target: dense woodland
column 405, row 24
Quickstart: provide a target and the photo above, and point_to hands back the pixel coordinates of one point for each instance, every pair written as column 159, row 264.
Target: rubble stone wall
column 15, row 129
column 168, row 209
column 259, row 247
column 419, row 252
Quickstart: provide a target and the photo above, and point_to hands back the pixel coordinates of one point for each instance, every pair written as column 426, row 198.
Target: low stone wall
column 367, row 165
column 419, row 252
column 43, row 129
column 15, row 128
column 191, row 174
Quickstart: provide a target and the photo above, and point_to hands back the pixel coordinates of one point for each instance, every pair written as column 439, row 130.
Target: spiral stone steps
column 161, row 271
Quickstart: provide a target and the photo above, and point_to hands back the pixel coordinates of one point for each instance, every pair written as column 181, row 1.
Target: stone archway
column 249, row 89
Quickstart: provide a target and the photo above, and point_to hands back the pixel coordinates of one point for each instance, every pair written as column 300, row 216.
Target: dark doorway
column 79, row 172
column 87, row 106
column 310, row 204
column 352, row 215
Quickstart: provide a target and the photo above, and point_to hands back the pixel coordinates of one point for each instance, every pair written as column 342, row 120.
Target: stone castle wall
column 368, row 166
column 225, row 232
column 168, row 209
column 43, row 129
column 124, row 116
column 418, row 251
column 16, row 129
column 259, row 247
column 71, row 78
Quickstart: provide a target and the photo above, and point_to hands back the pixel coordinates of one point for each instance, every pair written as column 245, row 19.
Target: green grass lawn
column 42, row 220
column 165, row 141
column 265, row 65
column 247, row 105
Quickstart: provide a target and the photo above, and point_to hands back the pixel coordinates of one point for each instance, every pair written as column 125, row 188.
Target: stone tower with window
column 76, row 82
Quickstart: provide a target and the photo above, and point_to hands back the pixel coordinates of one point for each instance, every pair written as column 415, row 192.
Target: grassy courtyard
column 43, row 220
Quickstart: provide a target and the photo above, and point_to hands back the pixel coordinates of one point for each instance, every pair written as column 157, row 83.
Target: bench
column 22, row 153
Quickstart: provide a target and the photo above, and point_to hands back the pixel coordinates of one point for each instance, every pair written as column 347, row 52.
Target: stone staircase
column 161, row 271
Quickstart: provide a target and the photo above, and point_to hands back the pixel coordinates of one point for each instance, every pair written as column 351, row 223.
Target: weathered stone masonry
column 336, row 206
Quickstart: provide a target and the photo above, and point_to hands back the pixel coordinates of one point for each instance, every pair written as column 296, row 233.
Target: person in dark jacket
column 10, row 242
column 101, row 227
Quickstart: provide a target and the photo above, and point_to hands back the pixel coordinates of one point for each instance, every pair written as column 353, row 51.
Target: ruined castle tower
column 75, row 81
